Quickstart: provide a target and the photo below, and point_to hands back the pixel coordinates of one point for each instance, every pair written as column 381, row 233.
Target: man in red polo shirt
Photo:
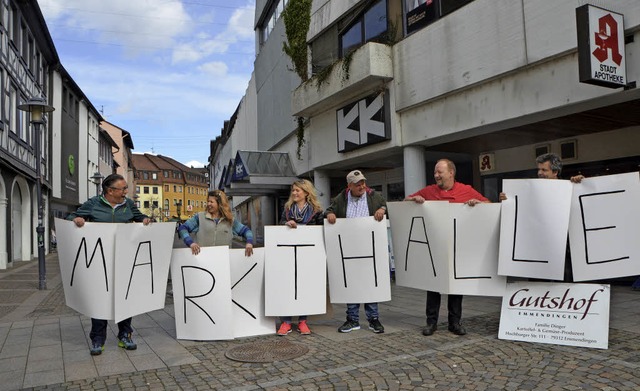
column 446, row 189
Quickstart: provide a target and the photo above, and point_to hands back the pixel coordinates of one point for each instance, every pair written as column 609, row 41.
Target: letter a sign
column 601, row 56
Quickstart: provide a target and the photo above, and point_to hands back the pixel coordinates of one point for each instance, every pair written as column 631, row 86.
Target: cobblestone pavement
column 399, row 359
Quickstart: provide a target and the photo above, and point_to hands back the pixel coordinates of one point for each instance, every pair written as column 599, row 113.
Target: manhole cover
column 266, row 351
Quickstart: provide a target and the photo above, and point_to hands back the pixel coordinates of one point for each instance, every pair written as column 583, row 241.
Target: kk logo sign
column 364, row 122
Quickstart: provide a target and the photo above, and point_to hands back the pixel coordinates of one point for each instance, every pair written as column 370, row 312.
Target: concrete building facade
column 396, row 85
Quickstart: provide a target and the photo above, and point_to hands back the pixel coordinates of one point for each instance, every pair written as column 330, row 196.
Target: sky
column 170, row 72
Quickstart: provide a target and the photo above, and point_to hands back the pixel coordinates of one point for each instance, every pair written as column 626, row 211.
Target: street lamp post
column 38, row 106
column 97, row 179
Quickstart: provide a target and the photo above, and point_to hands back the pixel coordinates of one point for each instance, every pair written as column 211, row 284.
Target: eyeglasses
column 119, row 188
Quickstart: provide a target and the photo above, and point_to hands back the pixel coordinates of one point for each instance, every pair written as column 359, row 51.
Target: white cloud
column 238, row 28
column 194, row 164
column 137, row 25
column 214, row 68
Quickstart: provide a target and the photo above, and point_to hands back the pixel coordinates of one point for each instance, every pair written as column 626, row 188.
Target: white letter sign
column 294, row 271
column 247, row 292
column 449, row 248
column 534, row 226
column 358, row 260
column 420, row 244
column 141, row 268
column 202, row 293
column 605, row 227
column 86, row 266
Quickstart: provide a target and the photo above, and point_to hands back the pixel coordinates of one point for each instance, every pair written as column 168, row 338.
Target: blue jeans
column 287, row 319
column 370, row 309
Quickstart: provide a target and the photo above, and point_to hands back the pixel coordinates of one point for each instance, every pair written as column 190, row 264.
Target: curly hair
column 223, row 204
column 553, row 159
column 310, row 191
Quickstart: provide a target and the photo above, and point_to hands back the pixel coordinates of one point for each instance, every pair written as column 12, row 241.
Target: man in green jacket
column 357, row 200
column 110, row 207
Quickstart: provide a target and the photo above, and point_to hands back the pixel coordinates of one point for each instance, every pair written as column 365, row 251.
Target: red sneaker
column 285, row 328
column 303, row 328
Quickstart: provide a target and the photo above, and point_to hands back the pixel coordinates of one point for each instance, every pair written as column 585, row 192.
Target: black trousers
column 99, row 329
column 454, row 305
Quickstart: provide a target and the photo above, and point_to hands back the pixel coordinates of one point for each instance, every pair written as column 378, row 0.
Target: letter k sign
column 362, row 123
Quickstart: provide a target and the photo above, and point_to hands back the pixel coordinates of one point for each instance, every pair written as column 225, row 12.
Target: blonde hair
column 223, row 204
column 310, row 190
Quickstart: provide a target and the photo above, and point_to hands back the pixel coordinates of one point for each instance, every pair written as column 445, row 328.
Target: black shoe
column 429, row 329
column 96, row 348
column 376, row 326
column 349, row 325
column 457, row 329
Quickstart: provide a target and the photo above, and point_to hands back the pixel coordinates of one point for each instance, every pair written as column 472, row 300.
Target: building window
column 166, row 174
column 137, row 189
column 175, row 188
column 145, row 175
column 154, row 176
column 155, row 189
column 12, row 108
column 371, row 25
column 166, row 188
column 145, row 189
column 271, row 19
column 146, row 204
column 166, row 204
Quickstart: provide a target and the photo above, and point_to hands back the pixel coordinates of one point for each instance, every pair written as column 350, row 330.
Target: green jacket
column 339, row 204
column 98, row 210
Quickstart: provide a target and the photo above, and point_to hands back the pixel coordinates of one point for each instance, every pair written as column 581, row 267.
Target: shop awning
column 258, row 173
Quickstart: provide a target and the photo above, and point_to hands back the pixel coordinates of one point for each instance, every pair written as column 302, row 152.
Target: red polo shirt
column 459, row 193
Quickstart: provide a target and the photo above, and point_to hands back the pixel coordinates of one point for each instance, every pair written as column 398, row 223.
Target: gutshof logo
column 71, row 164
column 549, row 305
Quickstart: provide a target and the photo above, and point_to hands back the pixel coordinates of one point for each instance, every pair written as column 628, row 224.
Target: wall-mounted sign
column 487, row 162
column 71, row 164
column 601, row 56
column 420, row 13
column 239, row 172
column 364, row 122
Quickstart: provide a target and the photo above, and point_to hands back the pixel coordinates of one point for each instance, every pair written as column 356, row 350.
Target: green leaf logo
column 71, row 162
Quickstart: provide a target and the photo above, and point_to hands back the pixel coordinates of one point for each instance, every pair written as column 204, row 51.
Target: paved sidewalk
column 44, row 344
